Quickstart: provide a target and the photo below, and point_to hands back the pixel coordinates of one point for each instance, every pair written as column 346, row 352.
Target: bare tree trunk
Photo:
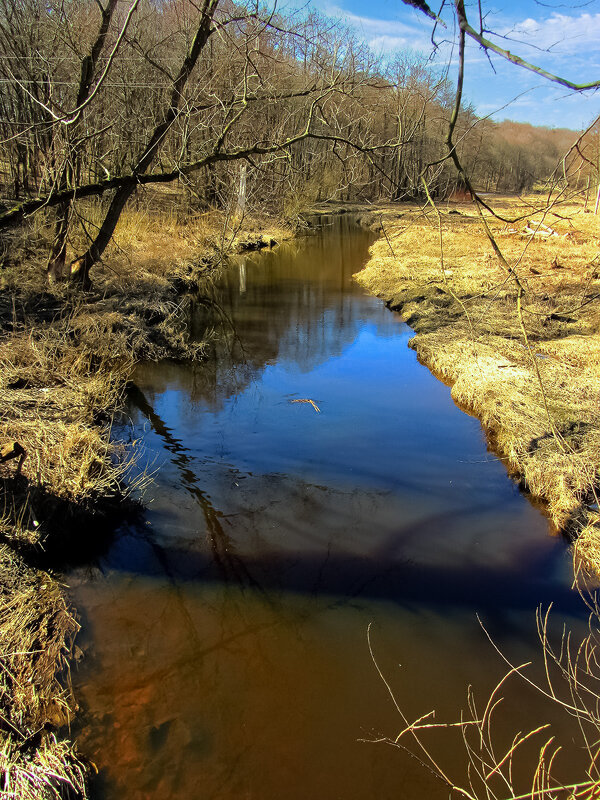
column 80, row 267
column 56, row 263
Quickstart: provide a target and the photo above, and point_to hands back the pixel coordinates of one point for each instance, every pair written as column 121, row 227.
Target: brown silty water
column 225, row 636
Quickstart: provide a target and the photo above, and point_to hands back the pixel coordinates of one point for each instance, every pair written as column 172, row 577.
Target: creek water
column 225, row 635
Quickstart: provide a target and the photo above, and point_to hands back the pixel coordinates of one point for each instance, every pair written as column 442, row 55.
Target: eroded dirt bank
column 518, row 342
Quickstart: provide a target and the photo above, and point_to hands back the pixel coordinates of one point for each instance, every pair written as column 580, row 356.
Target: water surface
column 226, row 635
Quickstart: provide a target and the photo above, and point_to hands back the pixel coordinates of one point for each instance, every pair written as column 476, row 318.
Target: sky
column 562, row 37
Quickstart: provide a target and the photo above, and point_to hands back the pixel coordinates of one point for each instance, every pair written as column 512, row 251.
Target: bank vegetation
column 525, row 363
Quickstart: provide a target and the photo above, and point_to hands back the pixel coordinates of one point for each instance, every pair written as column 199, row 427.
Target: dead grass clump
column 55, row 392
column 139, row 326
column 587, row 546
column 51, row 771
column 443, row 277
column 36, row 631
column 36, row 637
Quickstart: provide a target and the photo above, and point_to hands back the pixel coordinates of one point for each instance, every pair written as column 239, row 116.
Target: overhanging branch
column 488, row 45
column 18, row 213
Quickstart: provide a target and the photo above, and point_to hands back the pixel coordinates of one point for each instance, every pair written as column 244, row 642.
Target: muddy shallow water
column 225, row 637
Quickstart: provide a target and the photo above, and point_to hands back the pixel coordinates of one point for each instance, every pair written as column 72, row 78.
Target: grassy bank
column 56, row 397
column 65, row 359
column 519, row 342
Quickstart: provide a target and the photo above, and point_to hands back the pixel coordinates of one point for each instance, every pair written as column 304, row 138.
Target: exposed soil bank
column 529, row 369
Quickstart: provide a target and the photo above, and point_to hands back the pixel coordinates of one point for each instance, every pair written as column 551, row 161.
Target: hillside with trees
column 237, row 105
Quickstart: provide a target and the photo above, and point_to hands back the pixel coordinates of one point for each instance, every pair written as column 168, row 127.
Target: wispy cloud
column 559, row 34
column 371, row 25
column 384, row 34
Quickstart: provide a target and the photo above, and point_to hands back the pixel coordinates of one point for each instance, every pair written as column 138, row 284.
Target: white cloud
column 560, row 33
column 384, row 34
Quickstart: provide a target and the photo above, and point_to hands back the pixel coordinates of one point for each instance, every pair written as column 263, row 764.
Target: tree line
column 236, row 103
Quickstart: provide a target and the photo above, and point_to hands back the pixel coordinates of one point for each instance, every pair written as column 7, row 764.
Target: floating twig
column 308, row 400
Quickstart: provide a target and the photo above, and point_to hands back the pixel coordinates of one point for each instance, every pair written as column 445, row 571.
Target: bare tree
column 239, row 92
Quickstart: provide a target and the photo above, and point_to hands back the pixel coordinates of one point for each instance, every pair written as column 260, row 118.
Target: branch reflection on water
column 328, row 570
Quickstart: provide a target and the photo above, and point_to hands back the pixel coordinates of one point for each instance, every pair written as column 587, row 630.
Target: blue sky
column 562, row 37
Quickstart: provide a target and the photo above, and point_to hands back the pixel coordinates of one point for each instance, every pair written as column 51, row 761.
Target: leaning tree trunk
column 81, row 267
column 56, row 263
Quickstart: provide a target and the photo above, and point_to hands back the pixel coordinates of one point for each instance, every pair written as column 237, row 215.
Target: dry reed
column 526, row 765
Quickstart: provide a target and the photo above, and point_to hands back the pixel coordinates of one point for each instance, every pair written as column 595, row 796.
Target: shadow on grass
column 55, row 533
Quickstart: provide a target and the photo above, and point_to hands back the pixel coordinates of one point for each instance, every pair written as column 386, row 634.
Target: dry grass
column 464, row 309
column 160, row 240
column 156, row 240
column 55, row 386
column 51, row 771
column 36, row 635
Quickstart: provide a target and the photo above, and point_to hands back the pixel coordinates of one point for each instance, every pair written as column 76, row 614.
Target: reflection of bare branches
column 210, row 302
column 231, row 566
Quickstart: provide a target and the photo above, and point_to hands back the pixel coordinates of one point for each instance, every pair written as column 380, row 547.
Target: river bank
column 65, row 359
column 518, row 341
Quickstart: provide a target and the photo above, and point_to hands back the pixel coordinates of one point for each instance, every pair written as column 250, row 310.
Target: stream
column 225, row 636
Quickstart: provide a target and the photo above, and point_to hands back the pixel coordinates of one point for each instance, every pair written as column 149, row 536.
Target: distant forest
column 235, row 103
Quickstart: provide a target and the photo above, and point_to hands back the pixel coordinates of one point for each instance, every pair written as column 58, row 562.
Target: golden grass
column 152, row 243
column 51, row 771
column 36, row 636
column 443, row 277
column 54, row 386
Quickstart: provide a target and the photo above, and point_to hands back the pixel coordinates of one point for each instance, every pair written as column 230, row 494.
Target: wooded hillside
column 242, row 106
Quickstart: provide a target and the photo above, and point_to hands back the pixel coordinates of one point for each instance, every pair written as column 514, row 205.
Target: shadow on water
column 225, row 632
column 375, row 575
column 230, row 567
